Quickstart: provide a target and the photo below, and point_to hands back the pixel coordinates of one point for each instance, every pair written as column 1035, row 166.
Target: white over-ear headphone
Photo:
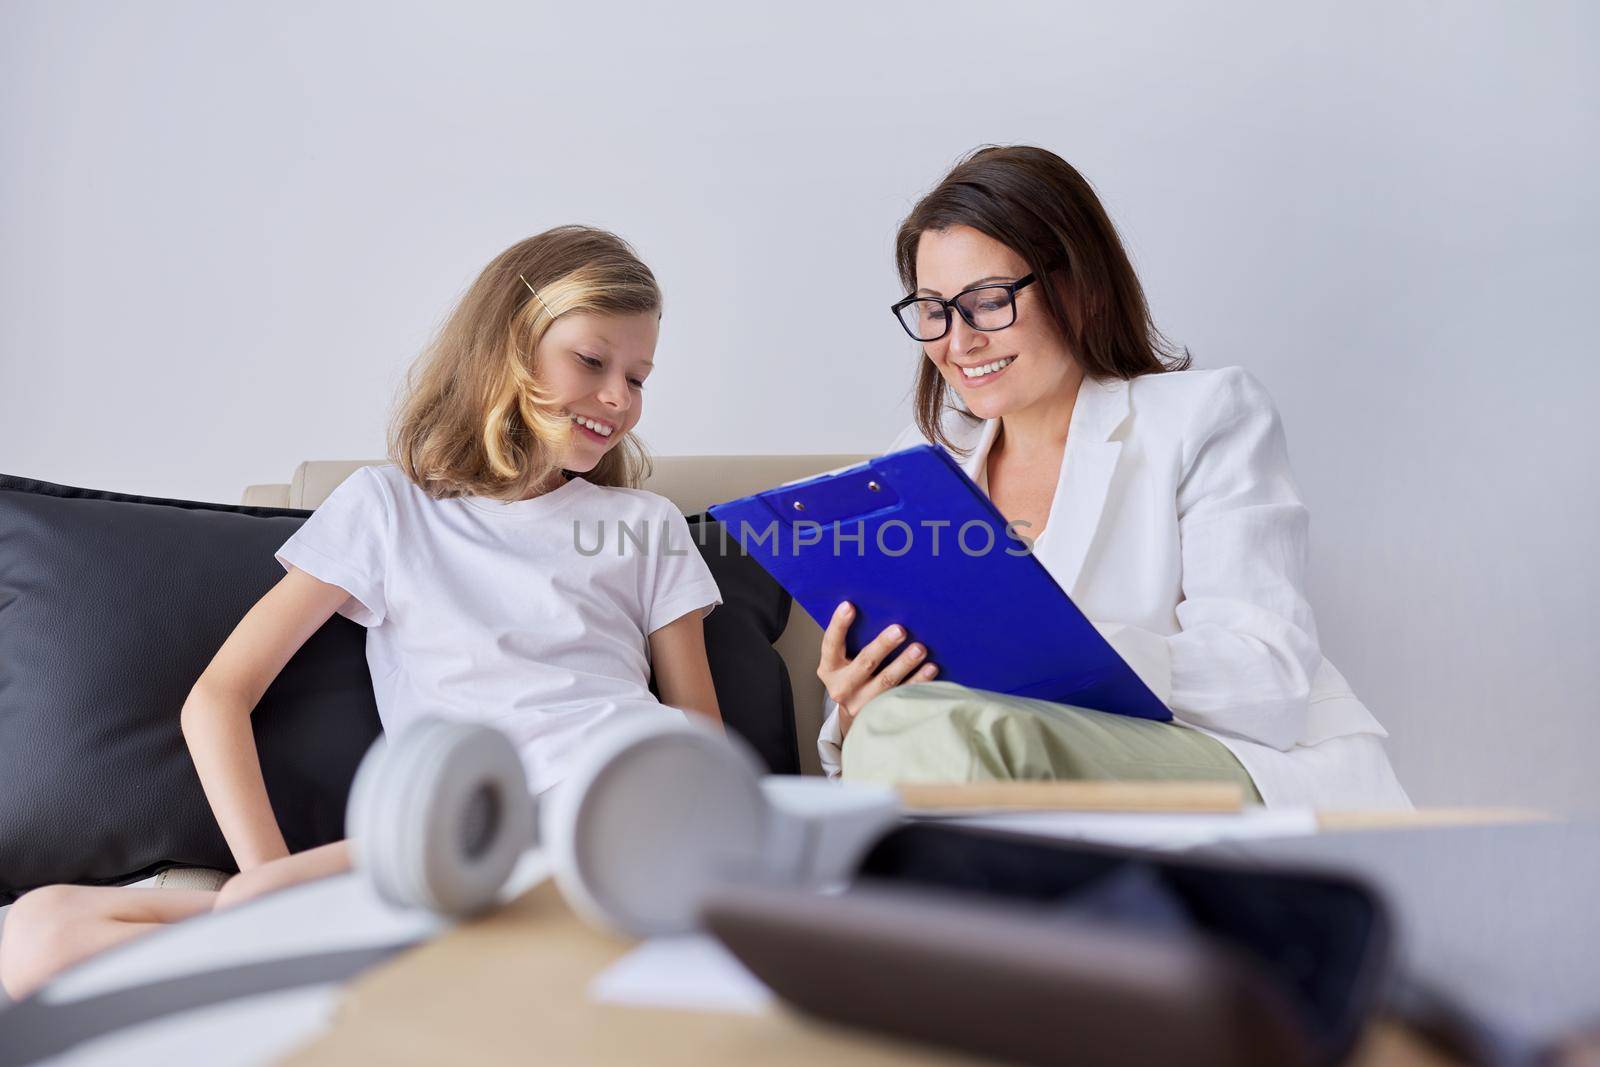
column 655, row 813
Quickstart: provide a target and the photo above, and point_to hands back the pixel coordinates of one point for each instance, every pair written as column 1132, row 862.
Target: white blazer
column 1176, row 527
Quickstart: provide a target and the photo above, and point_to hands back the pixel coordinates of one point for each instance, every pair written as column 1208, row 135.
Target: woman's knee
column 942, row 705
column 949, row 732
column 915, row 703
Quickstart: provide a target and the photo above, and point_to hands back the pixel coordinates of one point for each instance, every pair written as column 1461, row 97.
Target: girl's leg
column 321, row 862
column 944, row 732
column 50, row 929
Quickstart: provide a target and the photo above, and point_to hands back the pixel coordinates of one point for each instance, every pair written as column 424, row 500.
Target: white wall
column 226, row 228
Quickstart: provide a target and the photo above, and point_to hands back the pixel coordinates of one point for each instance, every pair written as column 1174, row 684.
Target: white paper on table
column 1164, row 830
column 692, row 973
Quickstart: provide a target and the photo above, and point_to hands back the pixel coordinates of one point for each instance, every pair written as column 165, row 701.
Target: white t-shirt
column 531, row 616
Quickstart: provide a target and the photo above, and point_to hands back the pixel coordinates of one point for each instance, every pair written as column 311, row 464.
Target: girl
column 461, row 558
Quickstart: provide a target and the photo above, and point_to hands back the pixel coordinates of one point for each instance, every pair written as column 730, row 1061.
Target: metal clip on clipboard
column 856, row 494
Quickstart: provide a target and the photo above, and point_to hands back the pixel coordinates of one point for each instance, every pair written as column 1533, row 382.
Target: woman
column 1159, row 497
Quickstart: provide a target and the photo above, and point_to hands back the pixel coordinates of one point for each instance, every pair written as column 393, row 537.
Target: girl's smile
column 600, row 431
column 595, row 366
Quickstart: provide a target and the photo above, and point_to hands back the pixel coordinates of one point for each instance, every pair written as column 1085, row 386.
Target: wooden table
column 513, row 989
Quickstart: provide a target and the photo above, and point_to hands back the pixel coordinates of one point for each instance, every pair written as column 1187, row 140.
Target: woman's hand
column 853, row 682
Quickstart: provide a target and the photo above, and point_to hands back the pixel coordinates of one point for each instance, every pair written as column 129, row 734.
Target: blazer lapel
column 1087, row 467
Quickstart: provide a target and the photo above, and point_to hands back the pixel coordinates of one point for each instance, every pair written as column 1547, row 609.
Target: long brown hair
column 1035, row 203
column 475, row 421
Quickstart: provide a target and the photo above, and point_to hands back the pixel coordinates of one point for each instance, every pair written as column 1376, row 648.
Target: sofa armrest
column 266, row 496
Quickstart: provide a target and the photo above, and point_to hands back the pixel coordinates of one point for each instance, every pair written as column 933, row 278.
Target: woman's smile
column 977, row 375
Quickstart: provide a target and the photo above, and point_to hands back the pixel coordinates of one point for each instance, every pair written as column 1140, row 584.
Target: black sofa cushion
column 110, row 607
column 752, row 681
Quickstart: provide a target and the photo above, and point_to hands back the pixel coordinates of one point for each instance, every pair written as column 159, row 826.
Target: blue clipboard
column 908, row 538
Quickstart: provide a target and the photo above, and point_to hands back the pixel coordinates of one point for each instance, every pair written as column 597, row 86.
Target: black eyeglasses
column 984, row 307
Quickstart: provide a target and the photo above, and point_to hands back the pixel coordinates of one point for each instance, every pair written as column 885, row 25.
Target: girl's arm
column 683, row 674
column 216, row 717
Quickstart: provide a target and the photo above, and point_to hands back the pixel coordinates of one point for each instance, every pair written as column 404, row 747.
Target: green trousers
column 943, row 732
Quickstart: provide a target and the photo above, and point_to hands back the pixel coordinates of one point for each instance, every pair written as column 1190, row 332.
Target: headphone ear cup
column 357, row 809
column 655, row 813
column 439, row 815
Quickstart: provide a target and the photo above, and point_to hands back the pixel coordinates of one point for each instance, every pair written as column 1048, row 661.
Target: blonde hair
column 475, row 421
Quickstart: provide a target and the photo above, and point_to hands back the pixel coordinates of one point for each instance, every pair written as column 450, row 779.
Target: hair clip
column 536, row 296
